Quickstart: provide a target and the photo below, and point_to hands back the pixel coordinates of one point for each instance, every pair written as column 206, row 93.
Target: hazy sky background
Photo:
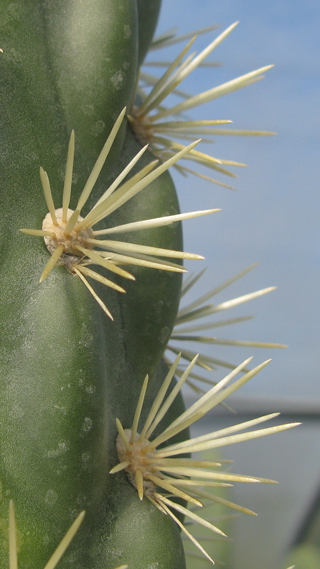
column 273, row 217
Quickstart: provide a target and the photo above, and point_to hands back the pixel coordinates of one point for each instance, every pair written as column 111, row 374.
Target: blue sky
column 273, row 216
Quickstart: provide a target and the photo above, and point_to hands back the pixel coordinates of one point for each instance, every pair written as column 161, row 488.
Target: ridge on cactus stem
column 73, row 242
column 147, row 120
column 56, row 556
column 154, row 470
column 188, row 322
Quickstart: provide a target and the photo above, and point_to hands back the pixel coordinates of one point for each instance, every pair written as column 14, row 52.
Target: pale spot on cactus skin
column 98, row 127
column 164, row 334
column 117, row 80
column 87, row 425
column 61, row 409
column 87, row 109
column 86, row 337
column 17, row 412
column 51, row 497
column 62, row 448
column 14, row 55
column 127, row 31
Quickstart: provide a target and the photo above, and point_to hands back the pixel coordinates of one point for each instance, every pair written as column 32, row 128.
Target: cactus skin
column 148, row 13
column 149, row 310
column 140, row 534
column 67, row 371
column 74, row 62
column 95, row 65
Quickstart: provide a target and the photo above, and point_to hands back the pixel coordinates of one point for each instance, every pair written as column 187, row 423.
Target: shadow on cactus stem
column 71, row 240
column 154, row 470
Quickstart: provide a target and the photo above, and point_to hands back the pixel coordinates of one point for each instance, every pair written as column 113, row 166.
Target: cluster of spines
column 72, row 241
column 150, row 466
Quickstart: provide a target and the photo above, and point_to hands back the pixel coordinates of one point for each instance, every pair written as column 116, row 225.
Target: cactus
column 77, row 345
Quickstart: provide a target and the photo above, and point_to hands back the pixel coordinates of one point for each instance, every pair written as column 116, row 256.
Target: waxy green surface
column 67, row 371
column 148, row 13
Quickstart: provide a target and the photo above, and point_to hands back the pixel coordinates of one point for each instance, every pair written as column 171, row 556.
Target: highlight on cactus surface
column 154, row 470
column 189, row 323
column 73, row 242
column 148, row 120
column 56, row 556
